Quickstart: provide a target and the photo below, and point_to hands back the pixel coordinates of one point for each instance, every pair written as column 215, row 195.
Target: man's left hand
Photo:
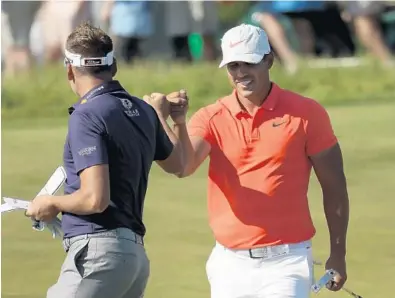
column 178, row 106
column 42, row 208
column 338, row 264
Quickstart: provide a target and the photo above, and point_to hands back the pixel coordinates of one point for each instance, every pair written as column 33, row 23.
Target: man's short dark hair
column 89, row 41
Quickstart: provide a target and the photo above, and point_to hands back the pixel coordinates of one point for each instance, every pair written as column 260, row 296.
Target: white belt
column 267, row 252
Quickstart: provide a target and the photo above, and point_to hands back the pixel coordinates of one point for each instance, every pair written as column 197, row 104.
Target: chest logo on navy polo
column 128, row 105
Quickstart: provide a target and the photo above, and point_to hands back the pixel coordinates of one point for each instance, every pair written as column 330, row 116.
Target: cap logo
column 233, row 44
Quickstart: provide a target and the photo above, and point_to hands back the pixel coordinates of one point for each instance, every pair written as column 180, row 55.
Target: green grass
column 179, row 240
column 45, row 92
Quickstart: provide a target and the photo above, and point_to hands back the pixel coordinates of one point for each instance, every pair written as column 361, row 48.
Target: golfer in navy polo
column 113, row 139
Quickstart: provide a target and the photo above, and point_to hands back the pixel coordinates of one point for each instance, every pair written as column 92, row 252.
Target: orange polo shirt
column 259, row 167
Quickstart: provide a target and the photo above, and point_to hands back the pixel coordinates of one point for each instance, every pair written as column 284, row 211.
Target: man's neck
column 88, row 84
column 251, row 105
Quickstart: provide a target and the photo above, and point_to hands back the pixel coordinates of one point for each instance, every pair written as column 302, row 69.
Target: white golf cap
column 245, row 43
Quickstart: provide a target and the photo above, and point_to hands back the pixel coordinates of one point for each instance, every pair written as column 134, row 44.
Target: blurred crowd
column 36, row 30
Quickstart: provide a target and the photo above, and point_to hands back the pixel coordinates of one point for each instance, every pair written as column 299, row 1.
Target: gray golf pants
column 111, row 264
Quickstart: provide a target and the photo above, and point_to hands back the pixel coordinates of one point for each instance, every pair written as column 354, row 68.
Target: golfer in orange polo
column 262, row 142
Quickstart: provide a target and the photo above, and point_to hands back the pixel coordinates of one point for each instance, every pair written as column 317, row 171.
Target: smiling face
column 251, row 81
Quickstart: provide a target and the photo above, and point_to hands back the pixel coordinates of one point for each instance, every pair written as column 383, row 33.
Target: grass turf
column 179, row 240
column 45, row 91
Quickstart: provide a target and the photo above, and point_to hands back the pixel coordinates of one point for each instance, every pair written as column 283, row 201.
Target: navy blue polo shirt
column 109, row 126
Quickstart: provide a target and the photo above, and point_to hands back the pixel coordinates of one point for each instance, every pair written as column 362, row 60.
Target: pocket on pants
column 78, row 252
column 210, row 264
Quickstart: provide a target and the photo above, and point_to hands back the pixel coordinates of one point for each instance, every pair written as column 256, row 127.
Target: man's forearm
column 170, row 133
column 181, row 141
column 336, row 207
column 181, row 132
column 77, row 203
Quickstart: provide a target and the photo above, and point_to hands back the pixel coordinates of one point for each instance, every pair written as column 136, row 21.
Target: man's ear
column 70, row 73
column 114, row 68
column 270, row 60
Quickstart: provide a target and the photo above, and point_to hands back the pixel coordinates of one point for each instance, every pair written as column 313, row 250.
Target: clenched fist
column 42, row 208
column 178, row 106
column 338, row 264
column 159, row 102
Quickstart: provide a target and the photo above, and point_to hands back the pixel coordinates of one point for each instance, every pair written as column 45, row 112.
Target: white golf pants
column 283, row 271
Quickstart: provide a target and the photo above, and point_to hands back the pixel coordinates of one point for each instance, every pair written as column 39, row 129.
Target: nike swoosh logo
column 233, row 44
column 278, row 124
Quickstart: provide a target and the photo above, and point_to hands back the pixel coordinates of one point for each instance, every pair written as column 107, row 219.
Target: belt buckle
column 267, row 252
column 259, row 253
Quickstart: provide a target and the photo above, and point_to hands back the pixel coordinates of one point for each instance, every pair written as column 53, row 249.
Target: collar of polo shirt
column 269, row 104
column 78, row 61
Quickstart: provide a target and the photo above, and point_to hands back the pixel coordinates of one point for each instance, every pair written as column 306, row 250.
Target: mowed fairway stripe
column 179, row 240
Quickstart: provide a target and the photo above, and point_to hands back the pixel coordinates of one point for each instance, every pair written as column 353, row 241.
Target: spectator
column 184, row 17
column 334, row 41
column 364, row 16
column 130, row 22
column 268, row 14
column 18, row 19
column 98, row 19
column 309, row 20
column 58, row 19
